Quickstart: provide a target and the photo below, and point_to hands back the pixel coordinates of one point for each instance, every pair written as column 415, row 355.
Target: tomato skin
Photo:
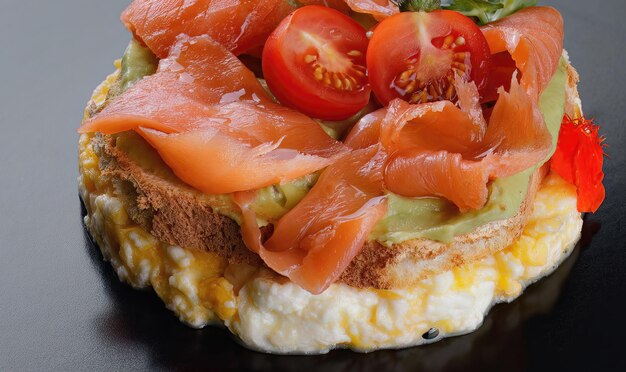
column 419, row 42
column 293, row 81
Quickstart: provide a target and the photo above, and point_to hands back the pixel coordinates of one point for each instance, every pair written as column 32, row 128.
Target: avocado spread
column 407, row 218
column 137, row 62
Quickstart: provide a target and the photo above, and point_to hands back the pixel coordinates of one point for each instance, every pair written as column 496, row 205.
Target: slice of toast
column 178, row 214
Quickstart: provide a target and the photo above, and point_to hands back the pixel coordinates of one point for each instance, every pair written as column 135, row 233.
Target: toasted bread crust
column 171, row 212
column 177, row 214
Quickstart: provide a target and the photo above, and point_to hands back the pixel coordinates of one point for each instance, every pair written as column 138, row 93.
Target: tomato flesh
column 416, row 56
column 315, row 62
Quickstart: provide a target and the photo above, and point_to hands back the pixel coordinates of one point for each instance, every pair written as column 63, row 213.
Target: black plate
column 62, row 308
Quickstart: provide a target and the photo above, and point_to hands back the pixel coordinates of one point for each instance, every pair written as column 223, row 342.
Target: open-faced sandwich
column 338, row 173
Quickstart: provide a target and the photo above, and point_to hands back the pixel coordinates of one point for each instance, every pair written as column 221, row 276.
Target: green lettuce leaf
column 482, row 11
column 418, row 5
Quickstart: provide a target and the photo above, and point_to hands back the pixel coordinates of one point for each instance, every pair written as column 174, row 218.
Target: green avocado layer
column 407, row 218
column 137, row 62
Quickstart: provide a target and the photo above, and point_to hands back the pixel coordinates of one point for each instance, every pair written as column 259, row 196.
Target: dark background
column 62, row 308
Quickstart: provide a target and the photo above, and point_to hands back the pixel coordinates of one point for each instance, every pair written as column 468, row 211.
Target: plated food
column 318, row 174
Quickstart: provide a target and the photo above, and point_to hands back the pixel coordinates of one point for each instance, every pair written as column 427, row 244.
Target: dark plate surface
column 62, row 308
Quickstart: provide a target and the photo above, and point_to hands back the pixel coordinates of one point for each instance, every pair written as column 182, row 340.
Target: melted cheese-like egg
column 271, row 314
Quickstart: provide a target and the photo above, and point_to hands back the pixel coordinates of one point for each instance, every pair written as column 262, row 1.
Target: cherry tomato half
column 315, row 62
column 415, row 56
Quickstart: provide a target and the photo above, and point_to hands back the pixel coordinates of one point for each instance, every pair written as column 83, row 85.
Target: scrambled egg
column 275, row 315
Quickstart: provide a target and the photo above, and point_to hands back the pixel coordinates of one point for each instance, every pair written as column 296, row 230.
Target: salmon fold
column 214, row 125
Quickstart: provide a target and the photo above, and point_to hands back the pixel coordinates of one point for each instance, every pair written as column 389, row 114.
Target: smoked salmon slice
column 515, row 139
column 314, row 242
column 214, row 125
column 534, row 38
column 439, row 149
column 335, row 4
column 240, row 25
column 377, row 8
